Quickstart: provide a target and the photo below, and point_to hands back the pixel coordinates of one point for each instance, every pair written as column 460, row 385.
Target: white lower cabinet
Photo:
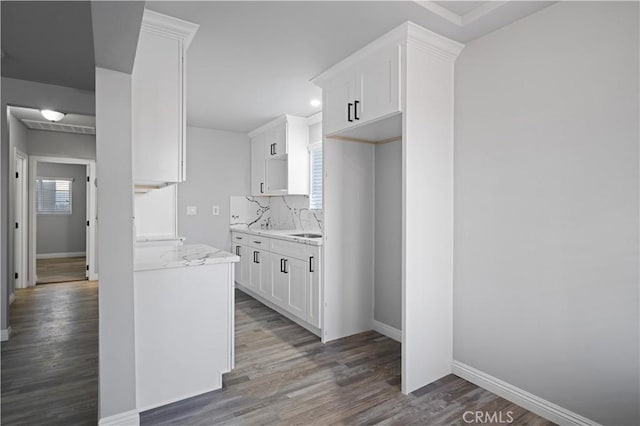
column 279, row 280
column 314, row 299
column 296, row 279
column 285, row 273
column 260, row 279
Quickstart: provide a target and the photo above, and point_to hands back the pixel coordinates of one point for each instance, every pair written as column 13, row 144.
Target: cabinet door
column 337, row 113
column 157, row 99
column 246, row 260
column 276, row 140
column 259, row 272
column 296, row 272
column 279, row 280
column 258, row 165
column 378, row 85
column 314, row 295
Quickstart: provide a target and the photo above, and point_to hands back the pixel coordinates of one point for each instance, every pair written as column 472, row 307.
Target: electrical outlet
column 216, row 210
column 192, row 210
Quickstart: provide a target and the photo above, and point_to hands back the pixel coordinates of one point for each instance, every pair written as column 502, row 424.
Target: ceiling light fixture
column 52, row 115
column 315, row 102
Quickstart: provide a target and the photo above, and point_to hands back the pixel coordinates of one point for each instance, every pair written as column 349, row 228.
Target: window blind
column 315, row 190
column 53, row 196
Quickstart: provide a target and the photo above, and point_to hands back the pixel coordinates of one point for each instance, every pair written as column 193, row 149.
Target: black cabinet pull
column 237, row 250
column 238, row 238
column 311, row 264
column 355, row 110
column 255, row 257
column 258, row 242
column 285, row 266
column 281, row 267
column 349, row 105
column 262, row 187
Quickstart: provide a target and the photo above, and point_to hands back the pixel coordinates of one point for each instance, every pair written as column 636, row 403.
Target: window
column 315, row 181
column 53, row 196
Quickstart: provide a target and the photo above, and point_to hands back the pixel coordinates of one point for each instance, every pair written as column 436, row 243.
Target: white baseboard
column 5, row 334
column 387, row 330
column 57, row 255
column 533, row 403
column 128, row 418
column 12, row 297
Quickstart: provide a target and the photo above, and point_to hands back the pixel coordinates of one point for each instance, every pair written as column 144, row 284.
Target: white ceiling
column 252, row 61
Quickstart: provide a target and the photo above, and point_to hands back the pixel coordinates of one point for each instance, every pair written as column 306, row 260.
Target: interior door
column 19, row 257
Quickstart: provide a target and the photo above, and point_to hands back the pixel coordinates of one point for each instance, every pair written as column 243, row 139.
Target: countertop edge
column 269, row 234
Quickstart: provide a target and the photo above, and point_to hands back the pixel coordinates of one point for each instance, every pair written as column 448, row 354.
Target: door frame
column 91, row 212
column 22, row 194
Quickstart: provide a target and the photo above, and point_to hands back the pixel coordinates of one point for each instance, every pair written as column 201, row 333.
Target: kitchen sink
column 307, row 235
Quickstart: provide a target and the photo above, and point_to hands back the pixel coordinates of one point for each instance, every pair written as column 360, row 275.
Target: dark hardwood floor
column 283, row 374
column 50, row 363
column 61, row 269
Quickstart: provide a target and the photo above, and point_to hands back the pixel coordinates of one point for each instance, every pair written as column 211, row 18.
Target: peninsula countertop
column 179, row 256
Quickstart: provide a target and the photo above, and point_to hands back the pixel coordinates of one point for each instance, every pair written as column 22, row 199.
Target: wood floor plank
column 50, row 363
column 283, row 375
column 61, row 269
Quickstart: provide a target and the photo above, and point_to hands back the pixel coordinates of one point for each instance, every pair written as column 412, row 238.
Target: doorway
column 62, row 226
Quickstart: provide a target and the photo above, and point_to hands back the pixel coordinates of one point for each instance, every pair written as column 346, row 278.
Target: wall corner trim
column 127, row 418
column 387, row 330
column 533, row 403
column 5, row 334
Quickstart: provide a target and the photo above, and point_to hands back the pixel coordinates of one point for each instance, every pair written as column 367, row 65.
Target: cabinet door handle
column 355, row 110
column 311, row 264
column 237, row 250
column 258, row 242
column 255, row 257
column 349, row 119
column 262, row 187
column 281, row 267
column 285, row 266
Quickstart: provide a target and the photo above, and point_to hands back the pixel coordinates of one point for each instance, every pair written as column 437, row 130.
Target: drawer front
column 239, row 238
column 256, row 241
column 288, row 248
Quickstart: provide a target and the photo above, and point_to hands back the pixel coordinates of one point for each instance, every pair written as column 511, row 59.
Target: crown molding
column 284, row 118
column 169, row 26
column 407, row 32
column 460, row 20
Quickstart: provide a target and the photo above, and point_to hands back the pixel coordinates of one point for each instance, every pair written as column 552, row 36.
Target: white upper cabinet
column 362, row 91
column 280, row 157
column 257, row 164
column 158, row 92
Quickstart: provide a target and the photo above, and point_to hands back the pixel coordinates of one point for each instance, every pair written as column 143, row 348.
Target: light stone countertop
column 179, row 256
column 282, row 234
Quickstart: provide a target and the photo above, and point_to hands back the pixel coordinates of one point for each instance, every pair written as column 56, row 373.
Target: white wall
column 57, row 144
column 18, row 134
column 64, row 233
column 34, row 95
column 546, row 207
column 117, row 392
column 388, row 235
column 218, row 166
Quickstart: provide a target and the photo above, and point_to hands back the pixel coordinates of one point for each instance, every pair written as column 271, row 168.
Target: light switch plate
column 216, row 210
column 192, row 210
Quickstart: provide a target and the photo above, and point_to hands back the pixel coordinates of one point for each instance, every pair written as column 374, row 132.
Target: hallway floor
column 61, row 269
column 50, row 363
